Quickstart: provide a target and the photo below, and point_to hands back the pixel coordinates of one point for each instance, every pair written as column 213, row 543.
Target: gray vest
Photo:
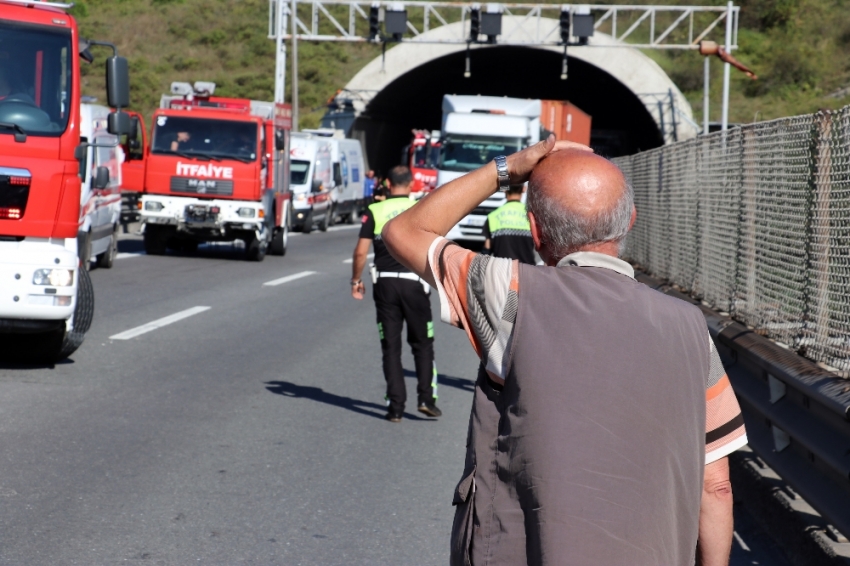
column 593, row 451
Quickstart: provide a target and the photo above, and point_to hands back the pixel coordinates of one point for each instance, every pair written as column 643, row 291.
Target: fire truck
column 217, row 170
column 421, row 157
column 46, row 297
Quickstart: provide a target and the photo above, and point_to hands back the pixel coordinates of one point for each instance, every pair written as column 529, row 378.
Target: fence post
column 747, row 305
column 819, row 245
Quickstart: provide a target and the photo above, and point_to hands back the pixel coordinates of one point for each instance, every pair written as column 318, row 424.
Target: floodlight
column 182, row 89
column 204, row 88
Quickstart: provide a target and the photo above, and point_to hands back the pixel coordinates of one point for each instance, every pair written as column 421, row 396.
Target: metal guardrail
column 797, row 414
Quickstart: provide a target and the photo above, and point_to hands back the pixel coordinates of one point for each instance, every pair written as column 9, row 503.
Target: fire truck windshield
column 467, row 152
column 35, row 79
column 205, row 138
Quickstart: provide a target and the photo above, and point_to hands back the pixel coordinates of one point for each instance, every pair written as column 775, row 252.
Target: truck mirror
column 117, row 82
column 118, row 123
column 279, row 141
column 101, row 178
column 317, row 186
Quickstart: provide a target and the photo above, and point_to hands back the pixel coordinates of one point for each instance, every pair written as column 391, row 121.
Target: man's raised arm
column 409, row 235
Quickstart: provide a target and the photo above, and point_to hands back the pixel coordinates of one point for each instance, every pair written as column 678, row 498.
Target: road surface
column 229, row 412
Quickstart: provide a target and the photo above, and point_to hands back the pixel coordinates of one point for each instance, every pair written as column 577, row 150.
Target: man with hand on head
column 603, row 419
column 400, row 296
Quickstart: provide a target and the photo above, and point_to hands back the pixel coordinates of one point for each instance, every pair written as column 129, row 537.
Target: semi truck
column 48, row 166
column 216, row 170
column 476, row 129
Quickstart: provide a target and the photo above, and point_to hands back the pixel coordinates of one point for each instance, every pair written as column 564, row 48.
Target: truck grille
column 14, row 192
column 215, row 187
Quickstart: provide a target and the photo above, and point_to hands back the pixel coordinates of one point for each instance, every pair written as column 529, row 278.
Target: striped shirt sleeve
column 724, row 423
column 479, row 294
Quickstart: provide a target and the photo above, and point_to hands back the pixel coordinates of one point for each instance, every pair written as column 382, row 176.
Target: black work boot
column 430, row 409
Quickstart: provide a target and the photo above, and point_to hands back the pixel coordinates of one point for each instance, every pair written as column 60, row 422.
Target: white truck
column 348, row 165
column 475, row 130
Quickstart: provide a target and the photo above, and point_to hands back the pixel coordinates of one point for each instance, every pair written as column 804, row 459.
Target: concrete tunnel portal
column 607, row 81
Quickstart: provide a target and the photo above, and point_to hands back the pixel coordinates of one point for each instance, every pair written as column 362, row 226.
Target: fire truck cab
column 217, row 169
column 421, row 157
column 46, row 156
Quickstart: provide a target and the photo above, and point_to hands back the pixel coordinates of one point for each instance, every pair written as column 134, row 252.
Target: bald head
column 578, row 199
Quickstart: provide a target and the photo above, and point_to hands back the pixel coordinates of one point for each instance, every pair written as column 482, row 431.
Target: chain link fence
column 755, row 222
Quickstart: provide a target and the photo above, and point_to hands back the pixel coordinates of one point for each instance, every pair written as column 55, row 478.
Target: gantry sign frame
column 651, row 26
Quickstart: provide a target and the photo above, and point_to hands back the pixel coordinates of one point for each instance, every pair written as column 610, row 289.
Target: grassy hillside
column 799, row 49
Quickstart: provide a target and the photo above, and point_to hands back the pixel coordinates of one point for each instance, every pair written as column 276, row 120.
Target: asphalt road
column 247, row 432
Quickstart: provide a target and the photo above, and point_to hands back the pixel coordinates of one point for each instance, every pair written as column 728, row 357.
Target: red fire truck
column 421, row 157
column 217, row 170
column 46, row 298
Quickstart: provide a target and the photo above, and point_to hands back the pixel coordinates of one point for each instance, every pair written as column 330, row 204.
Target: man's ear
column 535, row 232
column 633, row 218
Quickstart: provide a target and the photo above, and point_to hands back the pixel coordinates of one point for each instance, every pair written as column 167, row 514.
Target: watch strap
column 502, row 172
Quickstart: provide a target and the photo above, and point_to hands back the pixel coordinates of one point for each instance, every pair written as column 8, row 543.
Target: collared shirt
column 480, row 294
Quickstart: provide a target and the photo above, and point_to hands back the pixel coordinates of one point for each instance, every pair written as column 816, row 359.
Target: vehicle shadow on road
column 318, row 394
column 449, row 381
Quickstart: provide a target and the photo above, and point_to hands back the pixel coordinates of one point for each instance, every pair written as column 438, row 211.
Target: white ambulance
column 311, row 181
column 100, row 199
column 349, row 169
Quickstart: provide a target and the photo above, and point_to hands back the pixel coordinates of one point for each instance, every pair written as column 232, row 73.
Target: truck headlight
column 245, row 212
column 53, row 277
column 153, row 206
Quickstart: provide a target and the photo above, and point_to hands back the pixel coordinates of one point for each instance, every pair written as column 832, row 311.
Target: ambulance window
column 298, row 172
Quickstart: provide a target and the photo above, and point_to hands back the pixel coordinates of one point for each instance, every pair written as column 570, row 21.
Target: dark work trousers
column 397, row 301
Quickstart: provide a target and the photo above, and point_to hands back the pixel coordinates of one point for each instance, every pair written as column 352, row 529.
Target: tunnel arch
column 607, row 81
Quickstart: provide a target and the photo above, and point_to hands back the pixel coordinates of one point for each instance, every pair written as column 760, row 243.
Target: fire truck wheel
column 84, row 249
column 107, row 258
column 83, row 315
column 327, row 221
column 279, row 240
column 154, row 241
column 255, row 249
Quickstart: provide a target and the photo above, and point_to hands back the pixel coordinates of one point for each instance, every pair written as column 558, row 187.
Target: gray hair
column 565, row 231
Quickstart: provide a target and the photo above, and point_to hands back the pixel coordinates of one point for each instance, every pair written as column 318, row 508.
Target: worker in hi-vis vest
column 507, row 231
column 400, row 296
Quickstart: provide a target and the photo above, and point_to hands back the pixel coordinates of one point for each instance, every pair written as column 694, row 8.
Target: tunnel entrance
column 621, row 123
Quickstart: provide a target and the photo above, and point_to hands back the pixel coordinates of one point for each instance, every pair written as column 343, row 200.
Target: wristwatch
column 502, row 171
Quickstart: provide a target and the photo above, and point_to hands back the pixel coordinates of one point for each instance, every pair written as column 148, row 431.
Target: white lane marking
column 159, row 323
column 349, row 260
column 125, row 255
column 741, row 541
column 288, row 278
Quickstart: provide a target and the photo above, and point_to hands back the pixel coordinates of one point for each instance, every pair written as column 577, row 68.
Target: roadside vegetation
column 798, row 48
